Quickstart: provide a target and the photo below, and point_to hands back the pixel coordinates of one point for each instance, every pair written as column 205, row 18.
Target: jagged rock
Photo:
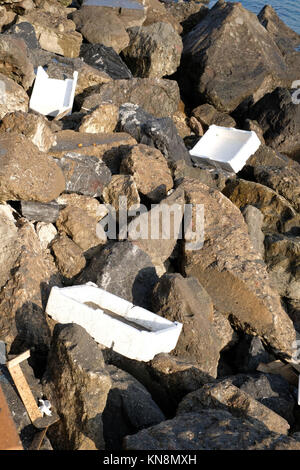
column 110, row 148
column 182, row 124
column 36, row 175
column 230, row 42
column 34, row 126
column 225, row 396
column 279, row 119
column 226, row 335
column 84, row 174
column 156, row 231
column 159, row 133
column 89, row 204
column 14, row 61
column 6, row 17
column 40, row 212
column 159, row 97
column 207, row 115
column 78, row 384
column 106, row 60
column 208, row 430
column 168, row 378
column 46, row 233
column 54, row 31
column 254, row 219
column 123, row 269
column 129, row 408
column 26, row 32
column 121, row 186
column 250, row 125
column 249, row 353
column 68, row 256
column 276, row 209
column 232, row 272
column 285, row 181
column 154, row 184
column 153, row 51
column 103, row 118
column 156, row 12
column 189, row 14
column 271, row 390
column 9, row 246
column 77, row 224
column 22, row 300
column 285, row 38
column 282, row 258
column 187, row 302
column 99, row 25
column 12, row 97
column 212, row 177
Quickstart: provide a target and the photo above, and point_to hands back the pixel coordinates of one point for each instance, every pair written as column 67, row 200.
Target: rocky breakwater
column 152, row 77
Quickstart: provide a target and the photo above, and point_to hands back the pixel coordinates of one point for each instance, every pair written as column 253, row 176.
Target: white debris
column 114, row 322
column 226, row 147
column 44, row 407
column 52, row 97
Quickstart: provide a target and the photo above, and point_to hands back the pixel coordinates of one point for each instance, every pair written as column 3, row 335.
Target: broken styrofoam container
column 226, row 147
column 114, row 322
column 52, row 97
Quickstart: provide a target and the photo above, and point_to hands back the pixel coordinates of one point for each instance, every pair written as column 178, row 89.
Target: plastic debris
column 226, row 147
column 44, row 407
column 114, row 322
column 53, row 97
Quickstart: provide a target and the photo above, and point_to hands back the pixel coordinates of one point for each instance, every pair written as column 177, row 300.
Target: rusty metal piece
column 9, row 438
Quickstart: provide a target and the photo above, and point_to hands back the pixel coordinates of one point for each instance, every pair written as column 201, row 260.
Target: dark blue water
column 287, row 10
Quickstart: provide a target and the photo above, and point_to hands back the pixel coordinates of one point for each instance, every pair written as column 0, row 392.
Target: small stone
column 68, row 256
column 103, row 118
column 207, row 115
column 26, row 173
column 121, row 185
column 85, row 175
column 40, row 212
column 46, row 233
column 154, row 184
column 33, row 126
column 12, row 97
column 90, row 205
column 75, row 222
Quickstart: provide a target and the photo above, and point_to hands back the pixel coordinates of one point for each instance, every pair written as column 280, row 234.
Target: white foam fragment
column 52, row 97
column 226, row 147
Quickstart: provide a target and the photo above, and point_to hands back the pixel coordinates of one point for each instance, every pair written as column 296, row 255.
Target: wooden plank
column 16, row 360
column 38, row 439
column 25, row 393
column 9, row 438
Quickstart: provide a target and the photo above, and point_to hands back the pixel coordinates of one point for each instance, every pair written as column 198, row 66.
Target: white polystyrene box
column 52, row 97
column 67, row 305
column 226, row 147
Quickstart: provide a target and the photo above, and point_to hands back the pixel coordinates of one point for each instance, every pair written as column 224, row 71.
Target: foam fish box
column 52, row 97
column 114, row 322
column 226, row 147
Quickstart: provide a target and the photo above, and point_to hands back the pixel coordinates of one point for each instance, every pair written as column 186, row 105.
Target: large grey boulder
column 208, row 430
column 228, row 57
column 159, row 133
column 153, row 51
